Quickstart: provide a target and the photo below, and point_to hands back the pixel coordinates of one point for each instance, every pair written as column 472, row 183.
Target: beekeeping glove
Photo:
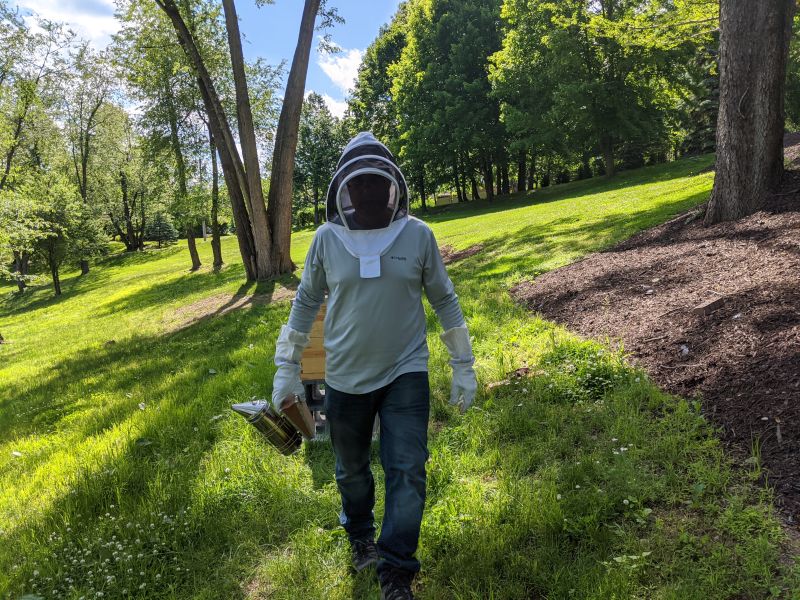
column 288, row 351
column 465, row 384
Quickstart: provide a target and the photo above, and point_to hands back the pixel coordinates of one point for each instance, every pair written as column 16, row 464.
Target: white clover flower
column 558, row 496
column 144, row 585
column 626, row 502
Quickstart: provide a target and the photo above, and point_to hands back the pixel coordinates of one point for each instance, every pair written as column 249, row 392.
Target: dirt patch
column 450, row 254
column 791, row 150
column 220, row 304
column 707, row 311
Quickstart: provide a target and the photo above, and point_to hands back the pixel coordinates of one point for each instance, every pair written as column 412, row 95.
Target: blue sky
column 269, row 32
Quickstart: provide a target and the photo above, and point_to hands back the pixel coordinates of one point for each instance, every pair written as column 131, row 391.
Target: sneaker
column 396, row 585
column 365, row 553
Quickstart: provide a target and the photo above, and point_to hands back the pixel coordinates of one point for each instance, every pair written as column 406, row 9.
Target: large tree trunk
column 232, row 167
column 506, row 182
column 244, row 231
column 279, row 210
column 753, row 51
column 247, row 138
column 216, row 245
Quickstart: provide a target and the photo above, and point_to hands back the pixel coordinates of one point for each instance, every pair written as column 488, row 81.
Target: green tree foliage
column 321, row 140
column 161, row 229
column 461, row 89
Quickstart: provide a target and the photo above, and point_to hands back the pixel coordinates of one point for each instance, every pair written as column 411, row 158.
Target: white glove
column 465, row 384
column 288, row 352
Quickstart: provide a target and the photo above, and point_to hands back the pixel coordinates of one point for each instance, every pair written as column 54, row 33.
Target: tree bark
column 53, row 263
column 247, row 137
column 232, row 167
column 754, row 47
column 279, row 211
column 488, row 180
column 244, row 232
column 422, row 192
column 190, row 241
column 21, row 269
column 506, row 181
column 474, row 185
column 216, row 243
column 521, row 179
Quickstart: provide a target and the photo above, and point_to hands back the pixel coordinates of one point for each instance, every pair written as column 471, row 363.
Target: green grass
column 120, row 458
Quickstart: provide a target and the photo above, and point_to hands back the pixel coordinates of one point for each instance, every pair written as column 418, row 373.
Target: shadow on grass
column 166, row 461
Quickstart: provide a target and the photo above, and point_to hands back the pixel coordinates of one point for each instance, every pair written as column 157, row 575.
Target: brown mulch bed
column 741, row 357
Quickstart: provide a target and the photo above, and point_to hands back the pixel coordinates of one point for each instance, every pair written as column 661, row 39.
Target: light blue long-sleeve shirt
column 375, row 329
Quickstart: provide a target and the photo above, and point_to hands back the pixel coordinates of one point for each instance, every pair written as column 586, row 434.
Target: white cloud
column 92, row 20
column 342, row 68
column 337, row 107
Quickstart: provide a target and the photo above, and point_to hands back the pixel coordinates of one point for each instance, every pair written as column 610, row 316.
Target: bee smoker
column 282, row 430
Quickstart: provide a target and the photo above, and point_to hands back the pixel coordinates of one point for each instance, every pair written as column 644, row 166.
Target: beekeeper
column 374, row 260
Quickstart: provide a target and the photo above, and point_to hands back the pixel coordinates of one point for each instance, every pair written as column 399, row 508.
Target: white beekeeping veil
column 367, row 226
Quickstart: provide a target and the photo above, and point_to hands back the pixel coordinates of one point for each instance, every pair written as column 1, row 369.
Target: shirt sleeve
column 438, row 287
column 311, row 291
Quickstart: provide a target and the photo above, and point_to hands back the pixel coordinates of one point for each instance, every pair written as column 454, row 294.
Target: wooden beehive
column 312, row 364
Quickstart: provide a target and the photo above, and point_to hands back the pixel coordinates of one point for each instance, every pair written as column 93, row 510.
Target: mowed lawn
column 123, row 473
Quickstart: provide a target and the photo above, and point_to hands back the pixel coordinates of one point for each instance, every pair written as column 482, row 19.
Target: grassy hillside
column 124, row 474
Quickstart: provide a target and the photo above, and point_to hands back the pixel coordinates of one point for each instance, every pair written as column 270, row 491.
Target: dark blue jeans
column 403, row 407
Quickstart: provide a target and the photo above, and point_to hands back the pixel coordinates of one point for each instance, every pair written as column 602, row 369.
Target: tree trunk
column 140, row 237
column 127, row 213
column 488, row 180
column 506, row 182
column 244, row 232
column 54, row 272
column 422, row 193
column 521, row 179
column 474, row 185
column 216, row 244
column 232, row 167
column 279, row 210
column 190, row 241
column 457, row 182
column 316, row 206
column 753, row 51
column 462, row 179
column 21, row 269
column 180, row 167
column 258, row 211
column 532, row 174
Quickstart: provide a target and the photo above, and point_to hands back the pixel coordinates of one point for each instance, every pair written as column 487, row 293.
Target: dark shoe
column 396, row 585
column 365, row 553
